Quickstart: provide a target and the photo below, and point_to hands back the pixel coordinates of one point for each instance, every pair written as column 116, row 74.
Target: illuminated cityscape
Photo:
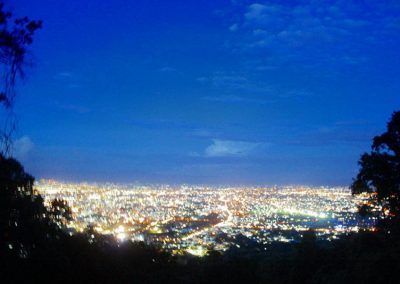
column 200, row 142
column 194, row 219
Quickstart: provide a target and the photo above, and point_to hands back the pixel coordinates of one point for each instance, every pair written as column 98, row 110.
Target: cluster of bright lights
column 194, row 218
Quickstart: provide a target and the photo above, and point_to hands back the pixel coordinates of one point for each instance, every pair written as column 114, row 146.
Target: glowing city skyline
column 196, row 218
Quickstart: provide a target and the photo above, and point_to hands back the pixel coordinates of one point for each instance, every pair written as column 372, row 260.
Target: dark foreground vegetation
column 362, row 258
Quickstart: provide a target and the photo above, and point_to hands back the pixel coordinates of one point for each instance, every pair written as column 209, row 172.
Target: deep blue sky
column 210, row 92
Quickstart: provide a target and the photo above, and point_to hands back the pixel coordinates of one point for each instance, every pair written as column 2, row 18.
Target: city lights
column 193, row 219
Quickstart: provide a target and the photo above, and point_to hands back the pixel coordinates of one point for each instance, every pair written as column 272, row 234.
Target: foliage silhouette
column 24, row 220
column 379, row 172
column 60, row 211
column 16, row 35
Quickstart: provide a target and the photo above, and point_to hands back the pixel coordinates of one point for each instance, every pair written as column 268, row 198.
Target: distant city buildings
column 194, row 219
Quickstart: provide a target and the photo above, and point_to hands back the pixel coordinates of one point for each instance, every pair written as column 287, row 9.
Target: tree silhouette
column 380, row 170
column 15, row 37
column 25, row 222
column 21, row 212
column 60, row 211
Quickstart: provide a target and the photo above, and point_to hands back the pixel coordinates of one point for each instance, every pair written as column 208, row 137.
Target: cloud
column 163, row 124
column 201, row 133
column 348, row 133
column 262, row 13
column 68, row 79
column 167, row 69
column 64, row 75
column 235, row 81
column 316, row 31
column 233, row 27
column 225, row 80
column 234, row 88
column 22, row 147
column 73, row 107
column 230, row 148
column 234, row 99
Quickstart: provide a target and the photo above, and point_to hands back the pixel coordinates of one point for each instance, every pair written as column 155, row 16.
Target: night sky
column 206, row 92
